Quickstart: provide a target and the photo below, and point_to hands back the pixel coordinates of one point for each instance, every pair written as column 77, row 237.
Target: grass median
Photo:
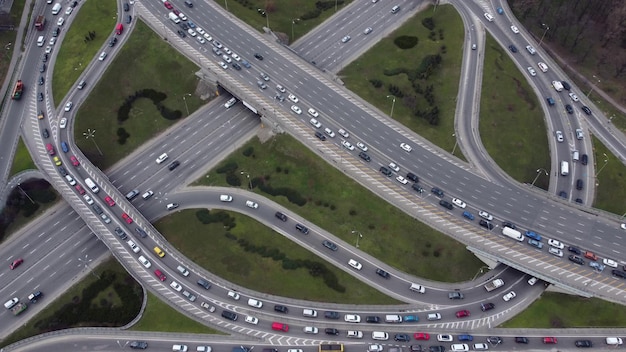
column 611, row 180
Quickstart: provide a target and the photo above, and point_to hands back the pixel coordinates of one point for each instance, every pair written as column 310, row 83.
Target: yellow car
column 41, row 115
column 159, row 252
column 57, row 162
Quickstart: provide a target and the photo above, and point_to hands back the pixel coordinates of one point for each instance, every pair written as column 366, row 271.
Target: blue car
column 535, row 243
column 410, row 318
column 466, row 338
column 500, row 11
column 246, row 63
column 65, row 147
column 468, row 215
column 534, row 236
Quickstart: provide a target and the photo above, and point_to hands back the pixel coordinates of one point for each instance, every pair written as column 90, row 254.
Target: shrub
column 405, row 42
column 429, row 23
column 227, row 168
column 233, row 179
column 248, row 151
column 122, row 135
column 376, row 83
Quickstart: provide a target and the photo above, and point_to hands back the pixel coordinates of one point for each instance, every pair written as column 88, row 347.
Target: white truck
column 558, row 86
column 614, row 341
column 174, row 17
column 494, row 284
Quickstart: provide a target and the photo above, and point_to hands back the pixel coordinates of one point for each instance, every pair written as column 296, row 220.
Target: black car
column 138, row 345
column 318, row 134
column 302, row 229
column 40, row 97
column 436, row 349
column 513, row 48
column 583, row 343
column 509, row 225
column 416, row 348
column 364, row 156
column 579, row 184
column 112, row 42
column 372, row 319
column 413, row 177
column 569, row 108
column 42, row 68
column 486, row 224
column 330, row 245
column 44, row 58
column 494, row 340
column 402, row 338
column 588, row 112
column 126, row 7
column 446, row 204
column 575, row 250
column 129, row 19
column 436, row 191
column 566, row 85
column 417, row 188
column 45, row 133
column 174, row 165
column 579, row 201
column 181, row 33
column 521, row 340
column 62, row 171
column 35, row 296
column 331, row 331
column 184, row 26
column 258, row 56
column 576, row 259
column 487, row 306
column 584, row 159
column 120, row 233
column 281, row 216
column 55, row 32
column 329, row 314
column 563, row 194
column 41, row 81
column 229, row 315
column 281, row 309
column 236, row 66
column 618, row 273
column 74, row 4
column 385, row 171
column 455, row 295
column 204, row 283
column 383, row 273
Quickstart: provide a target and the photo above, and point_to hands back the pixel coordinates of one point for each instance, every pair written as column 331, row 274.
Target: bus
column 331, row 347
column 514, row 234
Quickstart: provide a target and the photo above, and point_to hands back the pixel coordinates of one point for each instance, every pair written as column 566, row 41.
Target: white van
column 179, row 348
column 395, row 9
column 417, row 288
column 615, row 341
column 564, row 168
column 393, row 318
column 92, row 185
column 56, row 8
column 380, row 335
column 434, row 316
column 310, row 313
column 575, row 155
column 172, row 16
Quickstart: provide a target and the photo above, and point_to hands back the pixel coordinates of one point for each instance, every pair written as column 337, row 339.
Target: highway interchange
column 513, row 202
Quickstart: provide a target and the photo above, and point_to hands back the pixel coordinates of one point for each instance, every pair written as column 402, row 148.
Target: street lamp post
column 91, row 134
column 23, row 191
column 86, row 262
column 539, row 173
column 544, row 33
column 185, row 100
column 393, row 103
column 226, row 5
column 606, row 161
column 248, row 176
column 293, row 22
column 593, row 85
column 455, row 143
column 359, row 235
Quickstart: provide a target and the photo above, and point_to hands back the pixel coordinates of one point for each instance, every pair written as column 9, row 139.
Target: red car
column 80, row 189
column 168, row 5
column 16, row 263
column 74, row 160
column 127, row 218
column 550, row 340
column 176, row 12
column 50, row 149
column 110, row 201
column 160, row 275
column 463, row 313
column 421, row 336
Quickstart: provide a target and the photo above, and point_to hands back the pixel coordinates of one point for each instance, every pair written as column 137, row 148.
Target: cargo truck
column 19, row 308
column 40, row 22
column 17, row 91
column 494, row 284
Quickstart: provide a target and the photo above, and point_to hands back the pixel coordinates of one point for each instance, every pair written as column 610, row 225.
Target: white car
column 574, row 97
column 542, row 66
column 311, row 111
column 622, row 226
column 235, row 56
column 310, row 330
column 227, row 51
column 485, row 215
column 176, row 286
column 133, row 246
column 200, row 30
column 394, row 167
column 367, row 30
column 532, row 281
column 509, row 296
column 354, row 334
column 515, row 29
column 445, row 338
column 353, row 263
column 407, row 148
column 52, row 41
column 344, row 133
column 579, row 134
column 251, row 204
column 68, row 106
column 361, row 146
column 347, row 145
column 345, row 39
column 48, row 49
column 280, row 88
column 63, row 123
column 531, row 71
column 559, row 136
column 555, row 244
column 209, row 38
column 489, row 17
column 459, row 203
column 315, row 123
column 232, row 101
column 226, row 198
column 375, row 348
column 200, row 40
column 227, row 58
column 40, row 41
column 555, row 251
column 402, row 180
column 88, row 199
column 352, row 318
column 609, row 262
column 255, row 303
column 251, row 320
column 60, row 21
column 144, row 261
column 182, row 16
column 329, row 132
column 223, row 65
column 102, row 56
column 293, row 98
column 69, row 10
column 161, row 158
column 296, row 109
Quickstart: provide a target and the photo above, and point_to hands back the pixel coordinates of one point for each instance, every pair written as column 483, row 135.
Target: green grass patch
column 387, row 56
column 158, row 316
column 8, row 40
column 611, row 189
column 284, row 16
column 340, row 206
column 512, row 126
column 215, row 247
column 75, row 53
column 52, row 317
column 145, row 62
column 21, row 160
column 558, row 310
